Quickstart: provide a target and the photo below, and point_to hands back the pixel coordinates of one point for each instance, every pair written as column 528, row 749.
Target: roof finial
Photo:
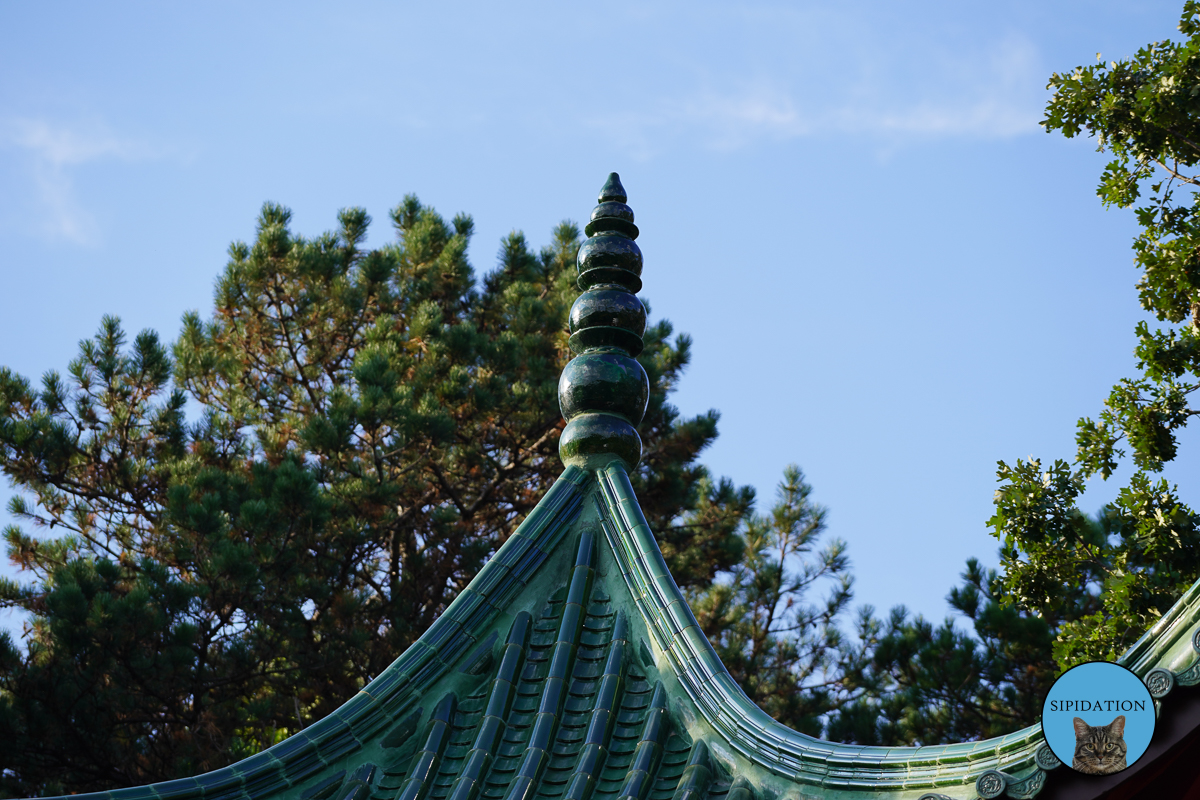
column 603, row 390
column 613, row 190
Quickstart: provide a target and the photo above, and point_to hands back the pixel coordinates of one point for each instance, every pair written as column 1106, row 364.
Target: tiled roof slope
column 571, row 668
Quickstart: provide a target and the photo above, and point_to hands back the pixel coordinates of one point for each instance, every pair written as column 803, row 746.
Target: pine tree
column 923, row 684
column 785, row 651
column 371, row 426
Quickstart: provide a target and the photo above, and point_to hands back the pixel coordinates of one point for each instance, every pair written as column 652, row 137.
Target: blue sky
column 893, row 277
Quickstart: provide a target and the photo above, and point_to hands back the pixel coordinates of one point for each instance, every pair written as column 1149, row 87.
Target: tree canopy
column 226, row 537
column 1075, row 587
column 1108, row 583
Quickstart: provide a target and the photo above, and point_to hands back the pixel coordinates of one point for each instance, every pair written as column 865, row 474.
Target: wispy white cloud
column 736, row 118
column 52, row 154
column 996, row 94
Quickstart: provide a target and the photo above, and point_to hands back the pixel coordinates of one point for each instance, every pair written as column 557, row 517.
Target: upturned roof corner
column 571, row 667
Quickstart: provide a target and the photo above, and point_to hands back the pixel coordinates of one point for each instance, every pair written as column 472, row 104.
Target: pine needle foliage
column 777, row 643
column 223, row 539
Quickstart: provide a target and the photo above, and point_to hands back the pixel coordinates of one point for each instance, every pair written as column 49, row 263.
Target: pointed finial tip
column 613, row 191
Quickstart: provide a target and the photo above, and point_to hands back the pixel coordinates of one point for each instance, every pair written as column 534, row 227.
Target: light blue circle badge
column 1098, row 718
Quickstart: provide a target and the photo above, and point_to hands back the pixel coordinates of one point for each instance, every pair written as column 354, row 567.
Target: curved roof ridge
column 746, row 728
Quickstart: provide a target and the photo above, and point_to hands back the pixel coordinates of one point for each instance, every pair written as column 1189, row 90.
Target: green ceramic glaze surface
column 612, row 191
column 612, row 216
column 610, row 258
column 607, row 315
column 591, row 441
column 610, row 255
column 571, row 668
column 603, row 391
column 608, row 381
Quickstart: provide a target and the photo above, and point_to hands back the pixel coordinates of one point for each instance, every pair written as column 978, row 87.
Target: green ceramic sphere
column 612, row 209
column 605, row 337
column 610, row 258
column 607, row 316
column 612, row 217
column 590, row 441
column 610, row 306
column 604, row 381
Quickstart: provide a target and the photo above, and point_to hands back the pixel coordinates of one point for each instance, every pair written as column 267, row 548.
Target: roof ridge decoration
column 571, row 668
column 603, row 391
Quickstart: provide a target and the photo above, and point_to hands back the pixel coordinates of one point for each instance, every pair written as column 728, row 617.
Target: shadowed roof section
column 571, row 668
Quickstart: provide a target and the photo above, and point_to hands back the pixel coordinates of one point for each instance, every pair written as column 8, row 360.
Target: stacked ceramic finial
column 603, row 390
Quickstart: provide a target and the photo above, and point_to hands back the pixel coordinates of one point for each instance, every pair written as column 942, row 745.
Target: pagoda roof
column 571, row 668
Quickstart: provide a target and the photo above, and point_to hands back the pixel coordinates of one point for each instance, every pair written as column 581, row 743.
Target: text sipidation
column 1097, row 705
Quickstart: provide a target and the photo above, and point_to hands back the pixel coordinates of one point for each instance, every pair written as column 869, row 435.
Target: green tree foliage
column 372, row 424
column 1144, row 112
column 985, row 671
column 1072, row 587
column 783, row 650
column 923, row 684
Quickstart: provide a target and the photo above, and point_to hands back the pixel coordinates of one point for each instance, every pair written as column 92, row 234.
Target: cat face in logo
column 1099, row 749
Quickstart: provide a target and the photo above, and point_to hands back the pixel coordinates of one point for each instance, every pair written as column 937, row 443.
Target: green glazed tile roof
column 571, row 668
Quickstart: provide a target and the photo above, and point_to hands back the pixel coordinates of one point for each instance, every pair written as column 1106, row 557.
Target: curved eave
column 1166, row 657
column 755, row 741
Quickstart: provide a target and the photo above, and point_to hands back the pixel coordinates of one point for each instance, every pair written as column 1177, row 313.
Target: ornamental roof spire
column 603, row 390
